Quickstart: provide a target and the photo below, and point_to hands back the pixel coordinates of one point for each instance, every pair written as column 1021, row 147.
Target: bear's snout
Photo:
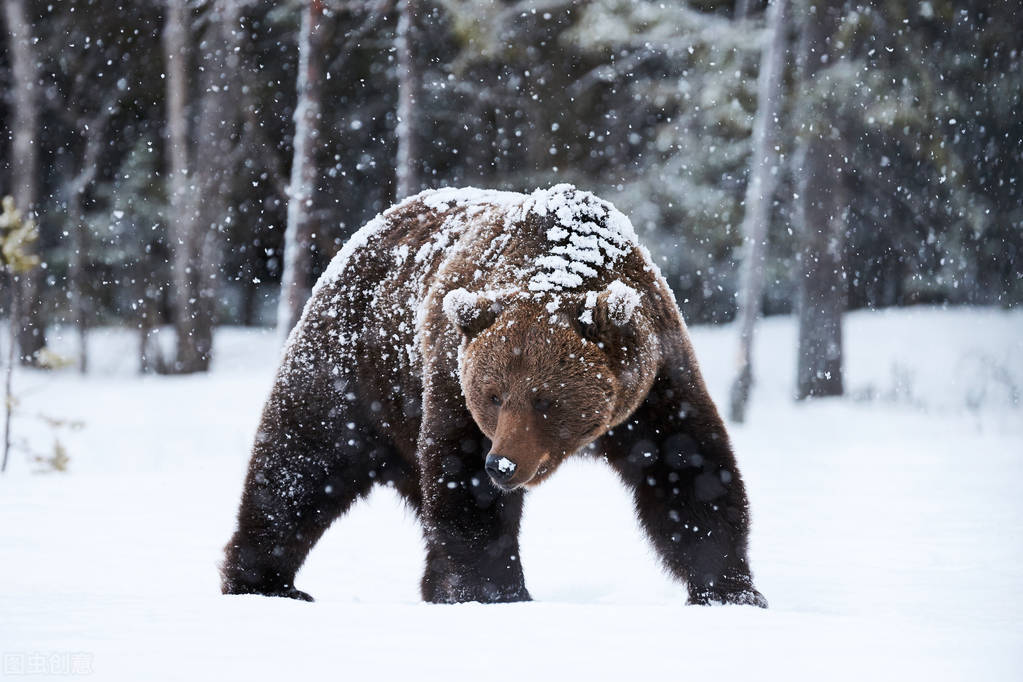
column 518, row 451
column 509, row 474
column 501, row 469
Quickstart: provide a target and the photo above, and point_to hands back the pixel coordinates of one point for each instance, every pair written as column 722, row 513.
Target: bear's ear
column 608, row 312
column 470, row 312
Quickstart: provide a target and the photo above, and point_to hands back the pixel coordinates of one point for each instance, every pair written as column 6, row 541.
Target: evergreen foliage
column 648, row 103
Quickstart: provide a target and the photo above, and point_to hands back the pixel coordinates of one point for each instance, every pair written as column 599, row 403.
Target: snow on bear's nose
column 500, row 468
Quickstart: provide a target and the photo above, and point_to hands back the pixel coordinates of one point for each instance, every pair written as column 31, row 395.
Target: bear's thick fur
column 458, row 348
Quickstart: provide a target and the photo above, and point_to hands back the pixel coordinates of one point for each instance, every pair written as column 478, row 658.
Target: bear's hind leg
column 294, row 490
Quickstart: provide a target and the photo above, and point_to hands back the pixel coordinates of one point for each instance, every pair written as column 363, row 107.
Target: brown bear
column 458, row 348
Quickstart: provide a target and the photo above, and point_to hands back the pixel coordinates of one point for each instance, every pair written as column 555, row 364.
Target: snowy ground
column 888, row 534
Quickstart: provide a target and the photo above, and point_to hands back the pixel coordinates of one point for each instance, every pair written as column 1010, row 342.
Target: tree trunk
column 759, row 197
column 8, row 380
column 183, row 200
column 743, row 8
column 407, row 163
column 76, row 276
column 80, row 239
column 148, row 362
column 821, row 212
column 218, row 133
column 200, row 180
column 31, row 331
column 298, row 238
column 148, row 293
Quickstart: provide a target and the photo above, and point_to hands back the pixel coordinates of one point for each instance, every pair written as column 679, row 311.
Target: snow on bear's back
column 585, row 236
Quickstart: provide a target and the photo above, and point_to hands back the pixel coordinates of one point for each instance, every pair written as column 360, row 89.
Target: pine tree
column 17, row 234
column 31, row 331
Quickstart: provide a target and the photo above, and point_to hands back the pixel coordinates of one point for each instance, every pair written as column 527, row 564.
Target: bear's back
column 372, row 297
column 550, row 241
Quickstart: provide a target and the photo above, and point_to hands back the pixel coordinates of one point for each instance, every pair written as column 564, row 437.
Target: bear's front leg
column 471, row 528
column 675, row 455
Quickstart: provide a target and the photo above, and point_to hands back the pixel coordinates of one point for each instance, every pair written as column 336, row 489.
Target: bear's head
column 545, row 377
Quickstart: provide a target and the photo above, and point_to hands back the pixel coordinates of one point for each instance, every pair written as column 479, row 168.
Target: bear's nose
column 500, row 468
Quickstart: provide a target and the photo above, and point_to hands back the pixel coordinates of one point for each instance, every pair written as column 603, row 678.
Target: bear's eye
column 541, row 404
column 495, row 399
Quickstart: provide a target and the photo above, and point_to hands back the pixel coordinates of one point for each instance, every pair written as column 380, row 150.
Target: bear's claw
column 745, row 597
column 238, row 587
